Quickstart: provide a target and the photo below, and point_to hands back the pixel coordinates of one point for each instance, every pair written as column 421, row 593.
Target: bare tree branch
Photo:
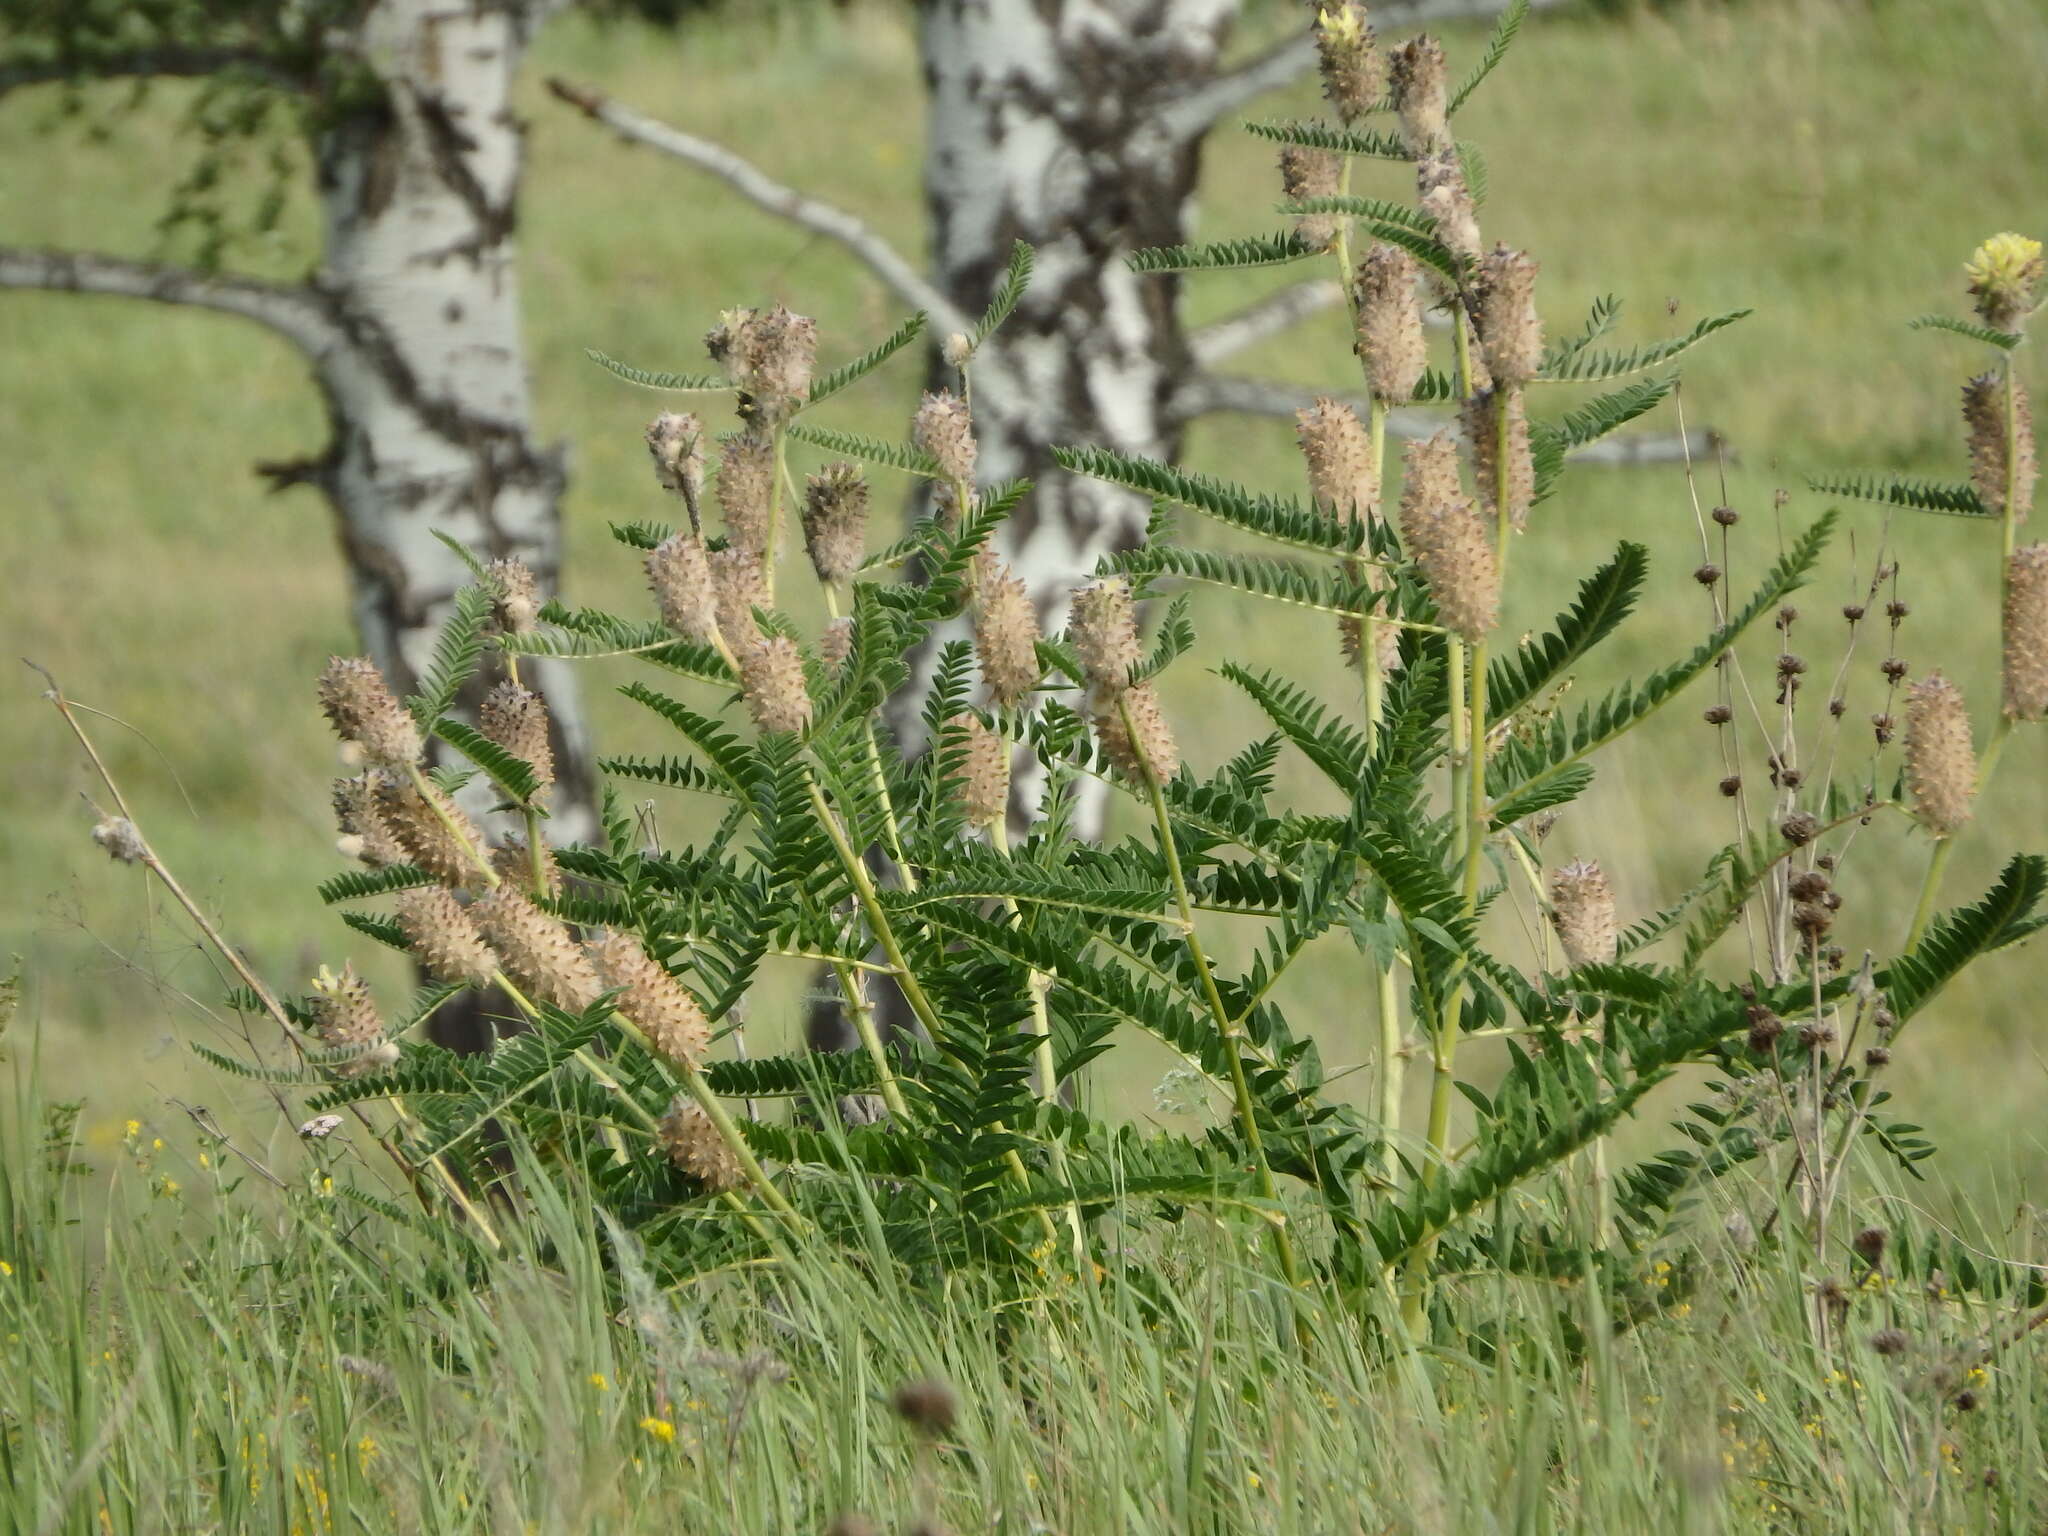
column 758, row 187
column 1208, row 394
column 295, row 312
column 1276, row 312
column 144, row 63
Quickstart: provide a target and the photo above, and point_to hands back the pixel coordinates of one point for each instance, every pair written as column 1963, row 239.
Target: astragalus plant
column 944, row 869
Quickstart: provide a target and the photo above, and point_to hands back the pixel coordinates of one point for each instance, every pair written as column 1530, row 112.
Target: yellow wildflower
column 2002, row 273
column 661, row 1429
column 598, row 1383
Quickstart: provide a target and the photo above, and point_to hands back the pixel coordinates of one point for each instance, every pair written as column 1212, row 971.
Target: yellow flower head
column 598, row 1382
column 661, row 1429
column 2002, row 273
column 1342, row 26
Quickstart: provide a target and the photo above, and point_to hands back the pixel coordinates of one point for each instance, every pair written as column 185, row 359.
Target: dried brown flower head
column 653, row 999
column 1445, row 537
column 679, row 573
column 836, row 521
column 1582, row 907
column 746, row 488
column 981, row 778
column 1941, row 763
column 1510, row 332
column 928, row 1407
column 1390, row 335
column 1481, row 418
column 691, row 1141
column 516, row 719
column 1006, row 637
column 1341, row 476
column 2026, row 633
column 675, row 440
column 362, row 710
column 769, row 355
column 537, row 948
column 772, row 681
column 1417, row 86
column 441, row 936
column 1309, row 173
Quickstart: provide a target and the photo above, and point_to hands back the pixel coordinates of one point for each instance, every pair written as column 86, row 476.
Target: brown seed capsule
column 1717, row 714
column 1799, row 829
column 691, row 1141
column 944, row 429
column 772, row 682
column 1146, row 742
column 1006, row 638
column 981, row 777
column 675, row 439
column 444, row 940
column 1390, row 335
column 1764, row 1028
column 680, row 575
column 517, row 720
column 835, row 644
column 436, row 834
column 536, row 948
column 1808, row 885
column 515, row 596
column 1102, row 627
column 1582, row 907
column 654, row 1000
column 746, row 488
column 1812, row 920
column 362, row 710
column 1707, row 575
column 1510, row 332
column 1732, row 785
column 738, row 588
column 1444, row 536
column 1442, row 194
column 836, row 521
column 769, row 355
column 1727, row 517
column 1309, row 173
column 1339, row 454
column 2026, row 633
column 1481, row 418
column 1941, row 763
column 1416, row 84
column 363, row 829
column 1889, row 1342
column 927, row 1406
column 1354, row 74
column 1877, row 1056
column 345, row 1019
column 1869, row 1244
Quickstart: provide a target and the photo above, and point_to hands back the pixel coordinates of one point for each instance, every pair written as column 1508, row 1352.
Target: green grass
column 1829, row 166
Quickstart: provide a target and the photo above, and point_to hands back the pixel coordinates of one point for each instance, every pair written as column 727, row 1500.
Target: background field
column 1828, row 164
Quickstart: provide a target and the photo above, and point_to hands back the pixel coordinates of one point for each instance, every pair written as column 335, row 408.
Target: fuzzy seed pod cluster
column 1941, row 763
column 1310, row 173
column 675, row 440
column 2025, row 634
column 1390, row 335
column 1446, row 538
column 346, row 1021
column 443, row 938
column 1481, row 417
column 1582, row 907
column 1140, row 743
column 691, row 1142
column 365, row 834
column 1984, row 412
column 537, row 948
column 738, row 587
column 746, row 489
column 1441, row 192
column 654, row 1000
column 1102, row 626
column 436, row 833
column 944, row 428
column 1341, row 474
column 515, row 596
column 679, row 574
column 1005, row 636
column 1504, row 316
column 362, row 710
column 835, row 518
column 516, row 719
column 835, row 645
column 1354, row 73
column 1421, row 98
column 2004, row 272
column 981, row 778
column 772, row 682
column 769, row 354
column 512, row 862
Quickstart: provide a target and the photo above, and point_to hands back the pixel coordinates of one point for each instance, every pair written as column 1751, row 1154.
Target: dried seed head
column 680, row 575
column 1813, row 920
column 944, row 429
column 981, row 781
column 1340, row 468
column 1102, row 626
column 537, row 948
column 345, row 1018
column 746, row 488
column 1941, row 764
column 1006, row 638
column 928, row 1407
column 1869, row 1244
column 1390, row 324
column 738, row 588
column 836, row 521
column 654, row 1000
column 675, row 439
column 835, row 644
column 1984, row 412
column 1808, row 885
column 1446, row 539
column 355, row 812
column 690, row 1141
column 1799, row 829
column 1481, row 416
column 1582, row 907
column 362, row 710
column 1764, row 1028
column 1146, row 741
column 442, row 938
column 2003, row 273
column 1442, row 194
column 515, row 596
column 772, row 681
column 514, row 863
column 768, row 354
column 516, row 719
column 1889, row 1342
column 119, row 837
column 1416, row 84
column 2026, row 633
column 1510, row 333
column 1306, row 173
column 422, row 828
column 1731, row 786
column 1354, row 74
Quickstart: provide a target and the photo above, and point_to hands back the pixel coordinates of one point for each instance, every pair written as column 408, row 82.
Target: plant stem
column 773, row 543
